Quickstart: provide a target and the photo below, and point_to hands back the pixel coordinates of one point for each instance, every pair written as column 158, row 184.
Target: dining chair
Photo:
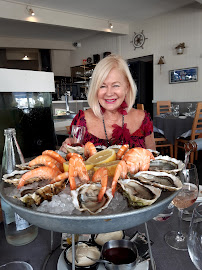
column 163, row 106
column 140, row 106
column 160, row 140
column 196, row 132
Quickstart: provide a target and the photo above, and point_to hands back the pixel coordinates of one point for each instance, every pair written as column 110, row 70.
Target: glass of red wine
column 184, row 199
column 77, row 135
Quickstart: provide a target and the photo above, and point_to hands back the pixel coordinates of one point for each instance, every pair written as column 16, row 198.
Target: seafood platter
column 92, row 189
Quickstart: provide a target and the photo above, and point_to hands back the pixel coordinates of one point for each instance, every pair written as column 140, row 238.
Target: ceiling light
column 111, row 25
column 30, row 11
column 25, row 57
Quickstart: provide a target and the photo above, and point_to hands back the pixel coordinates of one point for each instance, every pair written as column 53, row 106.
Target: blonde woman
column 111, row 118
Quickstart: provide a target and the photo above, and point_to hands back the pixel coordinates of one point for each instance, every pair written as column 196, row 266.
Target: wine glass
column 185, row 198
column 176, row 109
column 189, row 107
column 77, row 135
column 194, row 238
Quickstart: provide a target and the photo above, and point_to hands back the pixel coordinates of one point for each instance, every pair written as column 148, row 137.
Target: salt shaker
column 17, row 230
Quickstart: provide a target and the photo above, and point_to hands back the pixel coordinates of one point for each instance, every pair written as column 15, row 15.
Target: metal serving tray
column 89, row 224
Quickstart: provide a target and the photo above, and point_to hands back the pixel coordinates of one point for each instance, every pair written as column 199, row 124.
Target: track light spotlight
column 30, row 11
column 111, row 25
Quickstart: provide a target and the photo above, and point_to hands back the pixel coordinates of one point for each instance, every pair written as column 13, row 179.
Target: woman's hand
column 150, row 142
column 65, row 144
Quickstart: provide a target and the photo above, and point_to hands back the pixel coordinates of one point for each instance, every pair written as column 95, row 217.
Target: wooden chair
column 196, row 132
column 140, row 106
column 163, row 107
column 160, row 140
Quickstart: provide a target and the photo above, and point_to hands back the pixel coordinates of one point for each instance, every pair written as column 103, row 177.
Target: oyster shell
column 14, row 177
column 154, row 152
column 138, row 194
column 162, row 180
column 25, row 166
column 166, row 164
column 41, row 194
column 115, row 147
column 75, row 149
column 85, row 198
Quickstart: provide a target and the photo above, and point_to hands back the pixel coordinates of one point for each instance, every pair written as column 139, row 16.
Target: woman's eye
column 116, row 85
column 102, row 86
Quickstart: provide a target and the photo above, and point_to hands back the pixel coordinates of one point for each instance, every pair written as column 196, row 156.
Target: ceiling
column 123, row 11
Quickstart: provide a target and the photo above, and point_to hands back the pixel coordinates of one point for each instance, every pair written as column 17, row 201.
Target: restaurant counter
column 37, row 252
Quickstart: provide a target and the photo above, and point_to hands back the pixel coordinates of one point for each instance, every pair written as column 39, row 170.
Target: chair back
column 140, row 106
column 197, row 123
column 163, row 107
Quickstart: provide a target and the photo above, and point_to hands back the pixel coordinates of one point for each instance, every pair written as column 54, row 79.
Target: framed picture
column 183, row 75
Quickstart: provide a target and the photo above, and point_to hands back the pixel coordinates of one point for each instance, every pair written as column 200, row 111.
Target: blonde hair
column 101, row 72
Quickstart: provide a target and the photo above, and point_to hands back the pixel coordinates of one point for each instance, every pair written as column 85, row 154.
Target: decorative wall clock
column 138, row 40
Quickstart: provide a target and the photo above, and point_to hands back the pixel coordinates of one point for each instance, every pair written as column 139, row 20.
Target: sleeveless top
column 120, row 135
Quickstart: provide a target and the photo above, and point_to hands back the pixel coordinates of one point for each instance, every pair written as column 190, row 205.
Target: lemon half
column 111, row 167
column 103, row 156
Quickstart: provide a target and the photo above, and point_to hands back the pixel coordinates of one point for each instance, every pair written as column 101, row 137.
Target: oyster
column 154, row 152
column 166, row 164
column 25, row 166
column 85, row 198
column 75, row 149
column 14, row 177
column 41, row 194
column 138, row 194
column 162, row 180
column 115, row 147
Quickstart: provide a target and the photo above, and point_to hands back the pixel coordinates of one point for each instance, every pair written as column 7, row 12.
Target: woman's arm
column 149, row 142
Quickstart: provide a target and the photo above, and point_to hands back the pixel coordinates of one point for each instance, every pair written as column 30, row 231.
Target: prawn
column 101, row 175
column 77, row 168
column 41, row 173
column 54, row 155
column 121, row 171
column 60, row 177
column 46, row 161
column 138, row 159
column 69, row 155
column 89, row 149
column 122, row 151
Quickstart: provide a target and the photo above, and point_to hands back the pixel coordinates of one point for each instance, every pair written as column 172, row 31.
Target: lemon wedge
column 103, row 156
column 111, row 167
column 88, row 165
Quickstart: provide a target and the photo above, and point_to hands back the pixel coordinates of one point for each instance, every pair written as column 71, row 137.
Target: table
column 173, row 127
column 36, row 252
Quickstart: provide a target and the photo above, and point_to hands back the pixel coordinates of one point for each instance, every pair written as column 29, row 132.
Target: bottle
column 17, row 230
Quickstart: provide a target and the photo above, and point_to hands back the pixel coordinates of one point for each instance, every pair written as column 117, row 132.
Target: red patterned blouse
column 120, row 135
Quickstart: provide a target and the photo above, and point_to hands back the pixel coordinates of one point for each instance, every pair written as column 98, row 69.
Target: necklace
column 108, row 143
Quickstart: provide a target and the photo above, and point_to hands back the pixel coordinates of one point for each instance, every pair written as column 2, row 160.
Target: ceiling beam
column 18, row 11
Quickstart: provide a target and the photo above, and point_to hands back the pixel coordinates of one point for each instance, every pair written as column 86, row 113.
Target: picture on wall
column 183, row 75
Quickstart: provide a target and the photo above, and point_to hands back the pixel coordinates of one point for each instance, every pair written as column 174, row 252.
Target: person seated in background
column 111, row 118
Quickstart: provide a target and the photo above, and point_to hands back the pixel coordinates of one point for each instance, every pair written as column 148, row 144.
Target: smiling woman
column 111, row 118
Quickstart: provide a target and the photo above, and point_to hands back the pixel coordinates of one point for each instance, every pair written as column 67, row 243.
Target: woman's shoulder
column 137, row 114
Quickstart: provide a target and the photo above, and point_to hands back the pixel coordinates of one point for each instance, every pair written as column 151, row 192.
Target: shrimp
column 54, row 155
column 121, row 171
column 43, row 172
column 46, row 161
column 77, row 168
column 101, row 175
column 122, row 151
column 89, row 149
column 69, row 155
column 60, row 177
column 138, row 159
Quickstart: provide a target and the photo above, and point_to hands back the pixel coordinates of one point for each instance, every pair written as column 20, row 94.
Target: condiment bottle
column 17, row 230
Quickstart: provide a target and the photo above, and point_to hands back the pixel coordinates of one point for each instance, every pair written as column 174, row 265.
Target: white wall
column 163, row 33
column 60, row 62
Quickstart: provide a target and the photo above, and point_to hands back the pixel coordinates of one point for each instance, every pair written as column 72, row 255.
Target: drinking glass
column 176, row 110
column 77, row 135
column 189, row 107
column 194, row 242
column 16, row 265
column 185, row 198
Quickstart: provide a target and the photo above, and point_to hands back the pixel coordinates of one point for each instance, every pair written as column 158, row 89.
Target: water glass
column 194, row 241
column 176, row 111
column 16, row 265
column 77, row 135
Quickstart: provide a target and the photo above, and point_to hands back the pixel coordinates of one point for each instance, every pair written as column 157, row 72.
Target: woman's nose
column 109, row 90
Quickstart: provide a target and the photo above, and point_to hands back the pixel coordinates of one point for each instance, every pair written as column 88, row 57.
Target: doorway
column 141, row 69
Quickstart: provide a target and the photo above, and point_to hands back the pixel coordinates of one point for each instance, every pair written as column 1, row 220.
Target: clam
column 166, row 164
column 138, row 194
column 163, row 180
column 85, row 198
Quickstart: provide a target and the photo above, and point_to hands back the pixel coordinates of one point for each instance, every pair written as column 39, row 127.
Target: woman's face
column 112, row 92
